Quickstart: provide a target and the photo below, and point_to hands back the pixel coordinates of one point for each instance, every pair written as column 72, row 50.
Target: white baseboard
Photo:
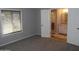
column 73, row 43
column 16, row 40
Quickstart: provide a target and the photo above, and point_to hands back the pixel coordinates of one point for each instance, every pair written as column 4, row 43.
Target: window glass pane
column 16, row 21
column 6, row 22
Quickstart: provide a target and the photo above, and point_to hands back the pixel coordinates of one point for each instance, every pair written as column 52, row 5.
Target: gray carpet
column 37, row 43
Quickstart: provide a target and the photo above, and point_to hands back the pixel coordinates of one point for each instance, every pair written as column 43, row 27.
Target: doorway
column 59, row 18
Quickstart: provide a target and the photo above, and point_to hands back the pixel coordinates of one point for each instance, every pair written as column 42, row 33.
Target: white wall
column 73, row 24
column 29, row 27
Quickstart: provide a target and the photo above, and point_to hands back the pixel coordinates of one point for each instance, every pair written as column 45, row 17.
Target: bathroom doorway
column 59, row 18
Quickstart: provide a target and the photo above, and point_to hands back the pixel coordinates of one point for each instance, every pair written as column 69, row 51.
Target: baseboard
column 73, row 44
column 16, row 40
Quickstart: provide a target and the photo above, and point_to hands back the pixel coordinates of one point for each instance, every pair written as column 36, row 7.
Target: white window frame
column 12, row 33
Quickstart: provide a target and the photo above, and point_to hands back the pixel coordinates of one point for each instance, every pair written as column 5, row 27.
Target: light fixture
column 65, row 10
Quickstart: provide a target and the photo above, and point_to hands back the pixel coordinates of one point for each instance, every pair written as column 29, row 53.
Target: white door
column 73, row 26
column 45, row 23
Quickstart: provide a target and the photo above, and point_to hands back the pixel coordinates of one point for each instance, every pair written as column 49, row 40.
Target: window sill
column 10, row 34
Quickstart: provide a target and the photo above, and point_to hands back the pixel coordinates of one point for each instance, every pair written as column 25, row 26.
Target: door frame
column 49, row 35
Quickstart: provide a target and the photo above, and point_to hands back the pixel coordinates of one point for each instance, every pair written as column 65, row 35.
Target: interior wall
column 29, row 27
column 73, row 24
column 38, row 21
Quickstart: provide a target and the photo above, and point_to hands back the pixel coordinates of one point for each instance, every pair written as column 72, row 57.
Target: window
column 11, row 21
